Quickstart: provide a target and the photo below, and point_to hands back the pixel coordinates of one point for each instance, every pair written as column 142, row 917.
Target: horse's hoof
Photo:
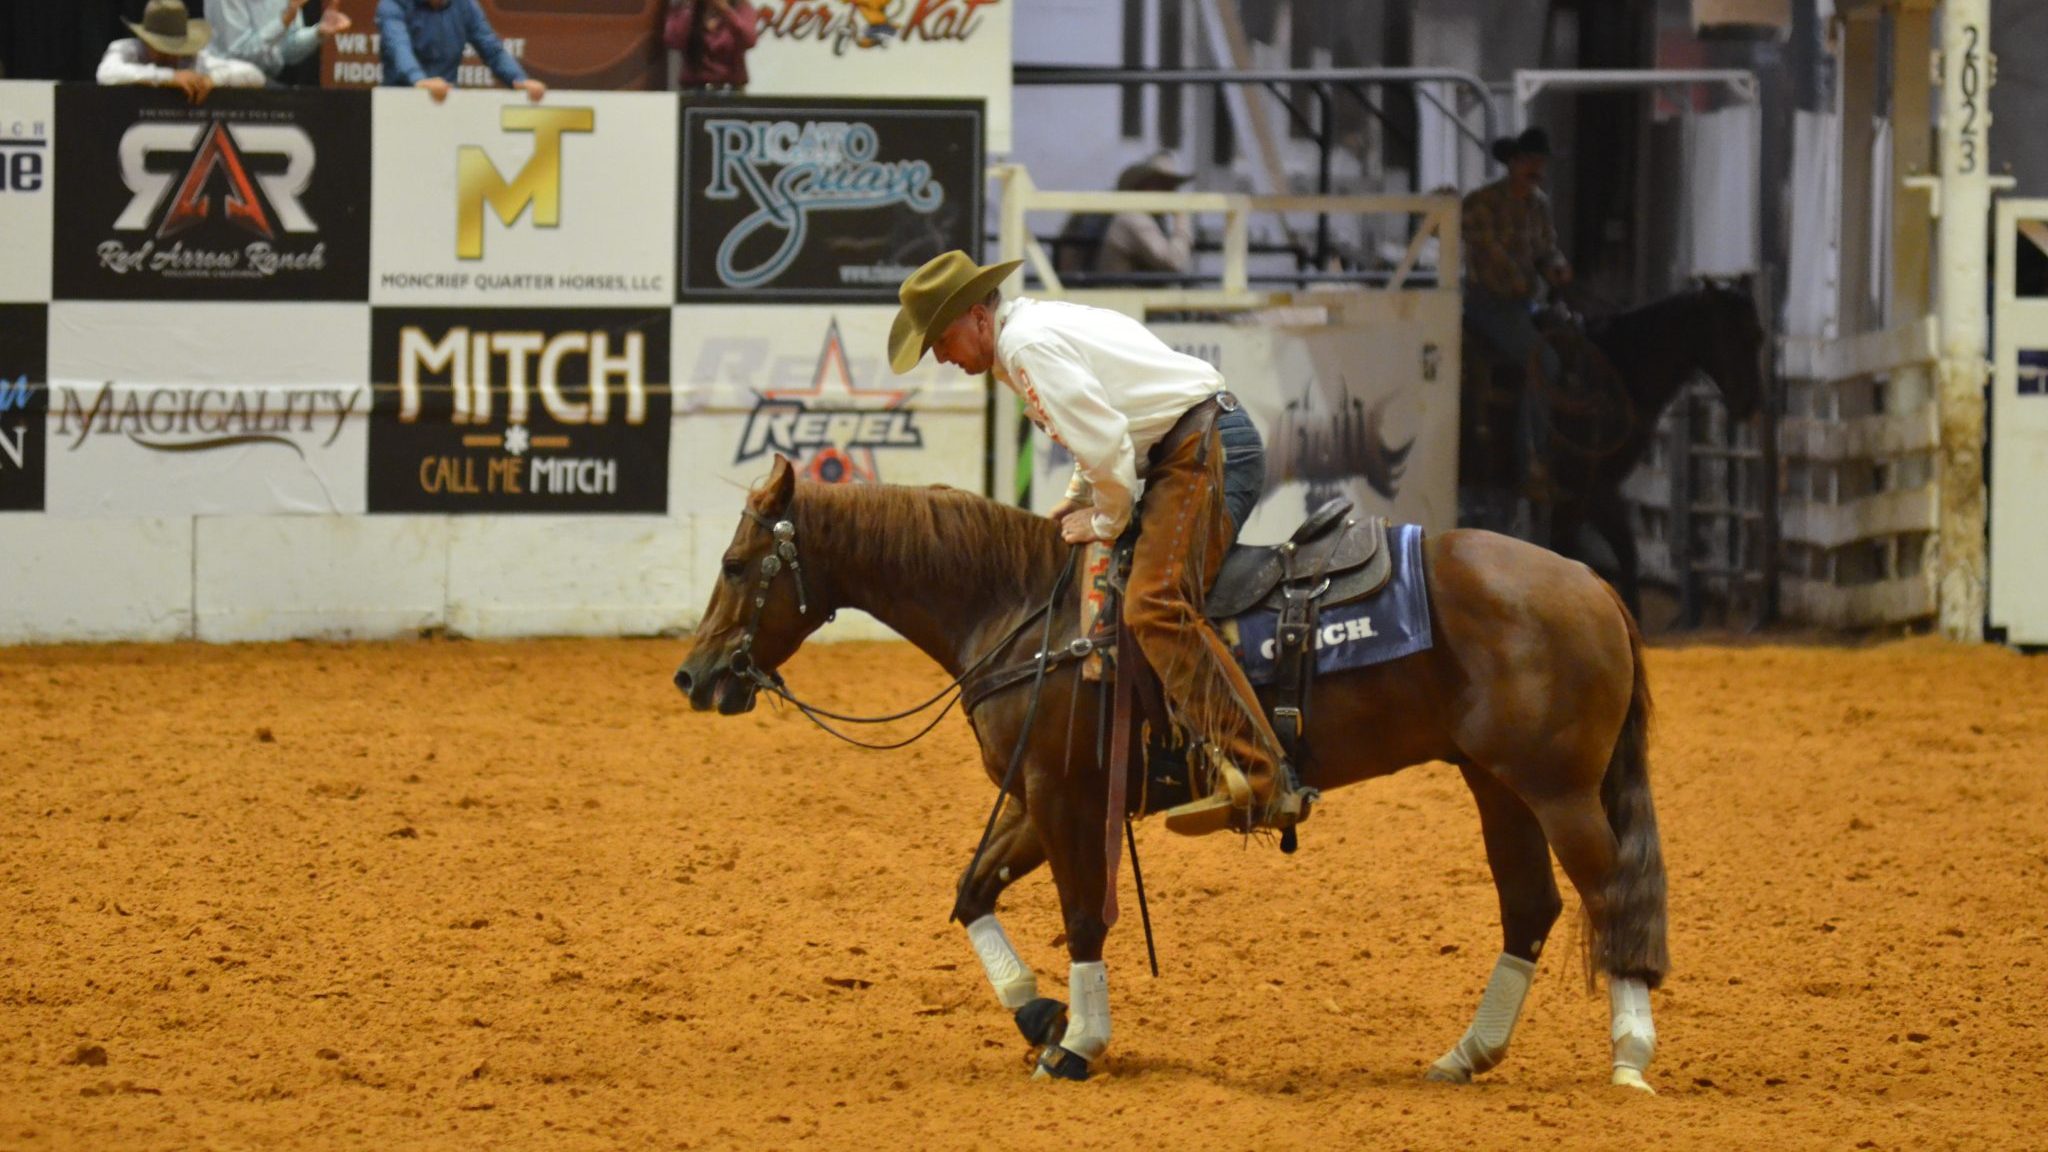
column 1441, row 1073
column 1630, row 1078
column 1056, row 1063
column 1043, row 1022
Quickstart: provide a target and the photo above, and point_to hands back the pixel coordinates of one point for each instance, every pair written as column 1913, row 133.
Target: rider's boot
column 1274, row 800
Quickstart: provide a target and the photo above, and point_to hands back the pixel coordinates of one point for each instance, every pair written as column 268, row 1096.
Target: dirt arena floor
column 449, row 894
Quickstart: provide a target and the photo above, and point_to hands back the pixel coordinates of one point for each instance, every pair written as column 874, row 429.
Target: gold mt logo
column 539, row 183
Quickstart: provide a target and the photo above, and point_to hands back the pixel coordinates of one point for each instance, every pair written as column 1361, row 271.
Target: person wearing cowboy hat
column 1136, row 241
column 1510, row 253
column 1139, row 419
column 171, row 50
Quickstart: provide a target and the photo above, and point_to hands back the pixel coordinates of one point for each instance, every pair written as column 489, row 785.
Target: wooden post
column 1965, row 223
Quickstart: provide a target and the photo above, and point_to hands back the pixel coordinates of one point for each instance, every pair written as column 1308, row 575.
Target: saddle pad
column 1387, row 625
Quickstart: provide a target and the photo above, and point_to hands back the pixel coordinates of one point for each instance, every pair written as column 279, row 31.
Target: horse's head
column 763, row 606
column 1734, row 346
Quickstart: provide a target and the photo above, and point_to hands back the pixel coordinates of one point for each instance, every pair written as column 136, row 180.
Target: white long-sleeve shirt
column 1101, row 385
column 254, row 30
column 127, row 62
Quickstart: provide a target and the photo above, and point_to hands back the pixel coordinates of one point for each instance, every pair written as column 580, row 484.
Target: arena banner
column 252, row 195
column 883, row 48
column 27, row 126
column 489, row 200
column 24, row 397
column 813, row 383
column 830, row 201
column 1364, row 405
column 519, row 410
column 206, row 409
column 601, row 45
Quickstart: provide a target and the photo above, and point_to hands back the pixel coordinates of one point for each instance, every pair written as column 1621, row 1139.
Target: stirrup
column 1232, row 805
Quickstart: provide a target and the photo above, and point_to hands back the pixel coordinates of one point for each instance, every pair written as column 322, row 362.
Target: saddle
column 1332, row 558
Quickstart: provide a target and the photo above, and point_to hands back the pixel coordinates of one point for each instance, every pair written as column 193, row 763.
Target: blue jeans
column 1506, row 329
column 1244, row 466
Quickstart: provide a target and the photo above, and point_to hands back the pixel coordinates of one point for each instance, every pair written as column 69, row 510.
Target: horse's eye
column 734, row 567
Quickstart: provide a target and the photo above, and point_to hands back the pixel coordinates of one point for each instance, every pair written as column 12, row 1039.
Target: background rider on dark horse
column 1139, row 418
column 1510, row 252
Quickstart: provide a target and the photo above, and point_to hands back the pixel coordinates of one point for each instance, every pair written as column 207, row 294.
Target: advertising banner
column 27, row 124
column 249, row 196
column 883, row 48
column 519, row 410
column 813, row 383
column 151, row 416
column 567, row 202
column 823, row 201
column 583, row 44
column 24, row 397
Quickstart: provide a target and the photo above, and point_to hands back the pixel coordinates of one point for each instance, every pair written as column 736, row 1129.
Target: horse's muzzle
column 715, row 688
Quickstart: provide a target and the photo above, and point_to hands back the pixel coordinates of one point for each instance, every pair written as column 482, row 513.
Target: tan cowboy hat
column 933, row 297
column 1161, row 168
column 166, row 28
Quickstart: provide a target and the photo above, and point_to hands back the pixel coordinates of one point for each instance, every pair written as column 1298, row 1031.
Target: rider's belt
column 1196, row 421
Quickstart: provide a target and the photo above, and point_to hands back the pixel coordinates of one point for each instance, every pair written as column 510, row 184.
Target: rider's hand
column 1078, row 526
column 1065, row 508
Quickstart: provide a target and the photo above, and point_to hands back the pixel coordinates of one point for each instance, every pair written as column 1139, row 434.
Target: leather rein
column 783, row 558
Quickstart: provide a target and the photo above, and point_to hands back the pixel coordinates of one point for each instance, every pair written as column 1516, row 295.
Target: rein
column 784, row 558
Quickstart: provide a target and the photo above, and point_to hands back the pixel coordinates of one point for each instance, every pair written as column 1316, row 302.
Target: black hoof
column 1288, row 841
column 1061, row 1064
column 1043, row 1022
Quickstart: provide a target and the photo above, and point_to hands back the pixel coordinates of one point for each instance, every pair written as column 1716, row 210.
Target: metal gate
column 2019, row 424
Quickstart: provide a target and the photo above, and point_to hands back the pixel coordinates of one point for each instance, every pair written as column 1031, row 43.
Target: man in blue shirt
column 423, row 43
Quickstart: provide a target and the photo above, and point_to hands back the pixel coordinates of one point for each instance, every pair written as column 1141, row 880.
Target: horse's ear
column 773, row 497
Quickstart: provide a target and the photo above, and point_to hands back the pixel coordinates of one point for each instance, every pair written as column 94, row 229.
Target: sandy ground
column 448, row 894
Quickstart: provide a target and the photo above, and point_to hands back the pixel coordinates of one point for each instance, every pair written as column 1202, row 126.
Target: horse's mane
column 936, row 537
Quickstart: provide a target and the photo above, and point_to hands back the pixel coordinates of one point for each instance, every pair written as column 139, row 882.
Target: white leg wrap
column 1635, row 1037
column 1486, row 1041
column 1014, row 984
column 1088, row 1014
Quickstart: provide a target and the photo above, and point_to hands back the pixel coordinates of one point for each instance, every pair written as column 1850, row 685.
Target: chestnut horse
column 1534, row 688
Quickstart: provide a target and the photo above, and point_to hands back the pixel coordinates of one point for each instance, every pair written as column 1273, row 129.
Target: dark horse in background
column 1534, row 687
column 1629, row 369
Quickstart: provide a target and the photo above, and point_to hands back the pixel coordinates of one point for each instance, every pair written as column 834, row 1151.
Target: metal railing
column 1326, row 84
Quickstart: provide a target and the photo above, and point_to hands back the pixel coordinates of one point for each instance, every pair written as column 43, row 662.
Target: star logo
column 833, row 427
column 516, row 440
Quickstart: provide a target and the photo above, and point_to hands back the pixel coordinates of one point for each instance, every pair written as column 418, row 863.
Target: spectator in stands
column 1511, row 253
column 1141, row 241
column 713, row 36
column 423, row 42
column 268, row 34
column 170, row 50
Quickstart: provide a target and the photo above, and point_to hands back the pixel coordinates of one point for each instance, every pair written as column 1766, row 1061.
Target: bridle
column 783, row 558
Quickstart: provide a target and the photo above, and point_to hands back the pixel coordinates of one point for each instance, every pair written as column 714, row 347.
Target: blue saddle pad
column 1387, row 625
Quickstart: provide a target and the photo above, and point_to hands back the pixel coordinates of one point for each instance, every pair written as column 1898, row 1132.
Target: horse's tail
column 1631, row 941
